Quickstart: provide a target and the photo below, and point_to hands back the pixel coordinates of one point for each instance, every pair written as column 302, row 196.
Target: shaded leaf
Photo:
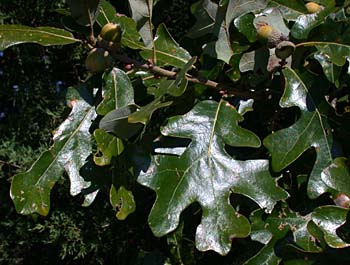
column 16, row 34
column 141, row 11
column 117, row 91
column 272, row 229
column 290, row 10
column 84, row 11
column 30, row 191
column 175, row 87
column 305, row 23
column 311, row 130
column 116, row 122
column 329, row 219
column 206, row 174
column 274, row 18
column 331, row 71
column 168, row 51
column 108, row 147
column 245, row 25
column 205, row 13
column 240, row 7
column 122, row 201
column 221, row 48
column 107, row 13
column 144, row 114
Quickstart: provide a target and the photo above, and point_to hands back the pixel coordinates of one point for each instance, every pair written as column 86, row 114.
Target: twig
column 159, row 71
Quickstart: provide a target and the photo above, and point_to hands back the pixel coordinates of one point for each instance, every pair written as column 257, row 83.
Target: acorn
column 98, row 60
column 312, row 7
column 270, row 34
column 284, row 49
column 111, row 32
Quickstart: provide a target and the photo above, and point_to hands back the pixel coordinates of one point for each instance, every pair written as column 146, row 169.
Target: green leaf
column 311, row 130
column 107, row 13
column 117, row 91
column 274, row 18
column 30, row 191
column 141, row 11
column 130, row 36
column 240, row 7
column 272, row 229
column 206, row 174
column 245, row 25
column 175, row 87
column 221, row 48
column 290, row 10
column 168, row 51
column 205, row 13
column 16, row 34
column 331, row 71
column 122, row 201
column 84, row 11
column 337, row 53
column 108, row 147
column 337, row 175
column 116, row 122
column 144, row 114
column 305, row 23
column 329, row 219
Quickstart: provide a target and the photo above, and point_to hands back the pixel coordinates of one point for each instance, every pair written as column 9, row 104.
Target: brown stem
column 226, row 88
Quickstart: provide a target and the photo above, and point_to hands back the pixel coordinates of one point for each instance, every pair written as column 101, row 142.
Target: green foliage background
column 34, row 82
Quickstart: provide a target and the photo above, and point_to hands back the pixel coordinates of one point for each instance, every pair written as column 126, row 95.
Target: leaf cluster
column 239, row 137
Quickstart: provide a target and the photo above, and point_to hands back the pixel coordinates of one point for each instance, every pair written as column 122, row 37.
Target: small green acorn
column 111, row 32
column 98, row 60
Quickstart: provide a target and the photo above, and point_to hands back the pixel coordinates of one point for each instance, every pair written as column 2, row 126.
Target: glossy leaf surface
column 16, row 34
column 271, row 230
column 168, row 51
column 117, row 91
column 311, row 130
column 206, row 174
column 329, row 219
column 30, row 190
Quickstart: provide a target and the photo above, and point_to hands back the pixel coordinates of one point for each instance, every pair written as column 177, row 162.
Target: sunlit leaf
column 329, row 218
column 122, row 201
column 168, row 51
column 108, row 147
column 272, row 229
column 16, row 34
column 337, row 175
column 311, row 130
column 30, row 191
column 206, row 174
column 117, row 91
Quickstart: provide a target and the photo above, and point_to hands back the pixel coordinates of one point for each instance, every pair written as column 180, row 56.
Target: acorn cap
column 284, row 49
